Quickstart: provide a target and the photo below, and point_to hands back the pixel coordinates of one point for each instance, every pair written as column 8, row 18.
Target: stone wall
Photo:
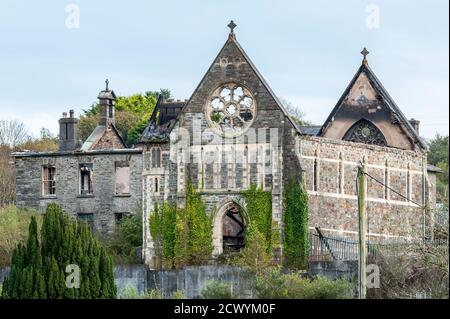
column 103, row 203
column 330, row 169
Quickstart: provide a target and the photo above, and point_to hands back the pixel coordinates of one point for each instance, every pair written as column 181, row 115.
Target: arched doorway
column 228, row 229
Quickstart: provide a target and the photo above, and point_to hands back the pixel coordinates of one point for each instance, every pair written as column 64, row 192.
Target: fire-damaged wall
column 100, row 187
column 330, row 170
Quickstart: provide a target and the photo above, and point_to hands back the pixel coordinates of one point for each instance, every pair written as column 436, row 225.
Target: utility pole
column 362, row 223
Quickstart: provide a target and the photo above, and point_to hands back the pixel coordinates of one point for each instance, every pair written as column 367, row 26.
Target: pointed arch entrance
column 229, row 229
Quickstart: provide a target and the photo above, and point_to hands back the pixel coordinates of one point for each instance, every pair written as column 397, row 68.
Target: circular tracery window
column 231, row 109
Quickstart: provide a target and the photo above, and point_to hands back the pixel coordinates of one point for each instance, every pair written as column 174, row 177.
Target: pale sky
column 308, row 51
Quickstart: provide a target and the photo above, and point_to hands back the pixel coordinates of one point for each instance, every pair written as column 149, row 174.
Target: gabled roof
column 97, row 134
column 162, row 121
column 232, row 39
column 385, row 97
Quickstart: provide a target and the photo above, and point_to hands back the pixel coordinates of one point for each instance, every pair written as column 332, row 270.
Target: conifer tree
column 38, row 269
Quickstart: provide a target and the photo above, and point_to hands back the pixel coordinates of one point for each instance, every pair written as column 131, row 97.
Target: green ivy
column 182, row 236
column 162, row 229
column 259, row 212
column 295, row 241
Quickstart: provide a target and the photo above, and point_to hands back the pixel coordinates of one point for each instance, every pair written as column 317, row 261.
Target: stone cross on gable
column 365, row 53
column 232, row 25
column 107, row 82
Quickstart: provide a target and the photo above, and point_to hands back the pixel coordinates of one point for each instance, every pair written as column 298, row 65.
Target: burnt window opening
column 86, row 179
column 87, row 218
column 110, row 111
column 233, row 230
column 122, row 170
column 148, row 157
column 156, row 156
column 48, row 181
column 156, row 184
column 118, row 217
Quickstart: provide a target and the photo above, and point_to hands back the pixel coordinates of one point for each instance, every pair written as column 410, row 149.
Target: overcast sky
column 308, row 51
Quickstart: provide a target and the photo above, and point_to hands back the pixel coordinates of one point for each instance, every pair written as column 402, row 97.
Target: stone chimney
column 415, row 123
column 68, row 139
column 107, row 101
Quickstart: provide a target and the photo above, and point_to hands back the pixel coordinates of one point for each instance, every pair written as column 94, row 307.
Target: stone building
column 98, row 181
column 232, row 133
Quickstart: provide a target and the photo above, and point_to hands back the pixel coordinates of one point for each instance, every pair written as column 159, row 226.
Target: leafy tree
column 295, row 243
column 125, row 240
column 438, row 156
column 132, row 115
column 38, row 268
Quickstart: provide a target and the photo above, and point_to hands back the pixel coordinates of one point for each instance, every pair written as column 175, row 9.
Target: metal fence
column 327, row 248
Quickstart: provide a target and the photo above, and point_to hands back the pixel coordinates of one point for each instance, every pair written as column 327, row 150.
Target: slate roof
column 312, row 130
column 162, row 121
column 434, row 169
column 96, row 135
column 385, row 97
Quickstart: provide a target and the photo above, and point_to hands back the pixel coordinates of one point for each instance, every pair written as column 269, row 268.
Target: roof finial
column 107, row 82
column 232, row 25
column 365, row 52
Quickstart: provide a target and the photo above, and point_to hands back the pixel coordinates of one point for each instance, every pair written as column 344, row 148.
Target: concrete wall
column 103, row 203
column 191, row 280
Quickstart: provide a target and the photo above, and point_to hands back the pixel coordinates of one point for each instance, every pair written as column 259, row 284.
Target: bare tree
column 294, row 111
column 12, row 133
column 7, row 177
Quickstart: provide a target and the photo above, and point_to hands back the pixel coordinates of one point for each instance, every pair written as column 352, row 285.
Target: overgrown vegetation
column 413, row 271
column 162, row 230
column 259, row 211
column 183, row 236
column 126, row 240
column 273, row 284
column 38, row 267
column 132, row 115
column 215, row 289
column 295, row 212
column 130, row 292
column 14, row 224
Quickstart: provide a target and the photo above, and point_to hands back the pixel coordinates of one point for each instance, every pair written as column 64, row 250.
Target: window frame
column 88, row 171
column 49, row 181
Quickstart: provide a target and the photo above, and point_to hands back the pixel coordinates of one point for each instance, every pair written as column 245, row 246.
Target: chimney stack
column 415, row 124
column 68, row 139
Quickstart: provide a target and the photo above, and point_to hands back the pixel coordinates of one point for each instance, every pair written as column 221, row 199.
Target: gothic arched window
column 366, row 132
column 231, row 109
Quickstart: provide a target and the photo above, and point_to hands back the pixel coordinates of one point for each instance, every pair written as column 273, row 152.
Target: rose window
column 231, row 109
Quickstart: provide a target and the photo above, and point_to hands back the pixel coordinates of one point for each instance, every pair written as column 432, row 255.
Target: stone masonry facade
column 103, row 207
column 232, row 133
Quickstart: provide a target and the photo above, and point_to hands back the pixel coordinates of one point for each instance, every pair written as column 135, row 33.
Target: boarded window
column 86, row 171
column 48, row 181
column 122, row 177
column 87, row 218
